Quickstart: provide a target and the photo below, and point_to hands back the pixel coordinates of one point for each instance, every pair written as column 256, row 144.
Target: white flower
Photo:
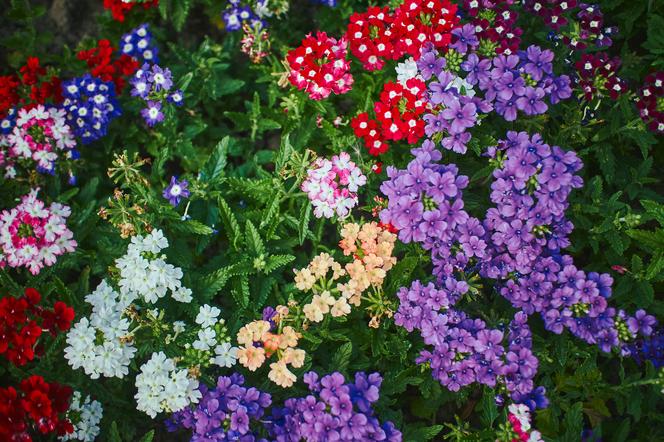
column 178, row 326
column 182, row 294
column 406, row 70
column 162, row 387
column 85, row 417
column 226, row 355
column 207, row 316
column 206, row 339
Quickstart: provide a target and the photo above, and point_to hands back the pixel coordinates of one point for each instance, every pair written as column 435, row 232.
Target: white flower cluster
column 102, row 343
column 225, row 353
column 144, row 274
column 85, row 417
column 162, row 387
column 98, row 344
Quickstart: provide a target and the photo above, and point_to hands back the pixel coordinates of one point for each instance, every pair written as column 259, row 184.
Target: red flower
column 100, row 61
column 119, row 8
column 32, row 71
column 319, row 66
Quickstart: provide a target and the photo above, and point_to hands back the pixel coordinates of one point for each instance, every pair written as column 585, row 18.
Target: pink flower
column 32, row 235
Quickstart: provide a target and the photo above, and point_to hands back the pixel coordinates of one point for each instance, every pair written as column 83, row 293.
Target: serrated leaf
column 650, row 241
column 180, row 13
column 272, row 210
column 303, row 222
column 227, row 86
column 215, row 164
column 573, row 423
column 231, row 225
column 240, row 291
column 654, row 209
column 489, row 408
column 253, row 239
column 342, row 356
column 192, row 226
column 423, row 433
column 276, row 261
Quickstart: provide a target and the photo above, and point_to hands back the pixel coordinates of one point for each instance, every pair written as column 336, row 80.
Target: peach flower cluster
column 371, row 247
column 258, row 343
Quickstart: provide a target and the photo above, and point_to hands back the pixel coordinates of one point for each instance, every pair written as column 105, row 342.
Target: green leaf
column 180, row 13
column 215, row 164
column 272, row 210
column 276, row 261
column 114, row 433
column 650, row 241
column 215, row 281
column 148, row 436
column 228, row 86
column 423, row 433
column 655, row 267
column 253, row 239
column 573, row 423
column 191, row 226
column 342, row 356
column 655, row 41
column 240, row 291
column 489, row 408
column 303, row 223
column 654, row 209
column 231, row 226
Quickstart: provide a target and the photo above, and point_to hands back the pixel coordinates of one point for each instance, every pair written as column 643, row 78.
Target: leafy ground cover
column 330, row 220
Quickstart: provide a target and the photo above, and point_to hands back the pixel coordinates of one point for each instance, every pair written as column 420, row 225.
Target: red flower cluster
column 33, row 85
column 22, row 321
column 650, row 102
column 397, row 117
column 495, row 24
column 37, row 405
column 377, row 35
column 119, row 7
column 101, row 64
column 598, row 76
column 319, row 66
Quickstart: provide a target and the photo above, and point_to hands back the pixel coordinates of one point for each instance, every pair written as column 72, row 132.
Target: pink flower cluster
column 39, row 134
column 520, row 420
column 332, row 185
column 319, row 66
column 32, row 235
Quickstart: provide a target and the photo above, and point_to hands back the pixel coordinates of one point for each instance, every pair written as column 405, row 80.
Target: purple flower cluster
column 463, row 350
column 509, row 84
column 425, row 204
column 138, row 44
column 518, row 245
column 225, row 412
column 334, row 410
column 153, row 84
column 91, row 105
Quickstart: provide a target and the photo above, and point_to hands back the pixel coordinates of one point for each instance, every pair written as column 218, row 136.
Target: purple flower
column 465, row 37
column 457, row 142
column 160, row 78
column 462, row 117
column 430, row 65
column 537, row 62
column 176, row 190
column 641, row 322
column 531, row 103
column 153, row 114
column 478, row 70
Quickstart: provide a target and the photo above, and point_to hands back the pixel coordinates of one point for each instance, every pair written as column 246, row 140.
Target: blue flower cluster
column 138, row 44
column 91, row 104
column 236, row 14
